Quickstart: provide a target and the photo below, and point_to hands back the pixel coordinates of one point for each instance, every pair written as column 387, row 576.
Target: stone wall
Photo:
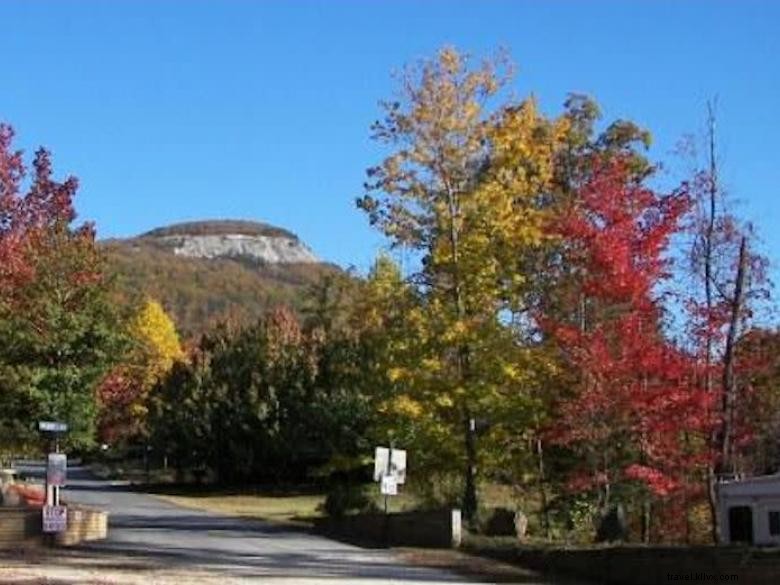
column 21, row 527
column 84, row 524
column 437, row 529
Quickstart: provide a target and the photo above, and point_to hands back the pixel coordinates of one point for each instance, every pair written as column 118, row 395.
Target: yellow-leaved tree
column 154, row 348
column 157, row 344
column 465, row 187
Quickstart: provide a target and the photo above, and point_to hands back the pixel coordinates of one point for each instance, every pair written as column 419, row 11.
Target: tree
column 758, row 357
column 123, row 395
column 555, row 289
column 58, row 331
column 728, row 281
column 461, row 189
column 180, row 411
column 633, row 400
column 270, row 401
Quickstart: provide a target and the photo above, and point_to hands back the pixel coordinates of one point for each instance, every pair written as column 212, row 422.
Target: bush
column 499, row 521
column 344, row 499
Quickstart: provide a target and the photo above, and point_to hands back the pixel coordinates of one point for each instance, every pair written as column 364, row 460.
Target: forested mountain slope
column 210, row 270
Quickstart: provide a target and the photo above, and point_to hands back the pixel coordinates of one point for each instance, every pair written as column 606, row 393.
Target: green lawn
column 271, row 504
column 296, row 509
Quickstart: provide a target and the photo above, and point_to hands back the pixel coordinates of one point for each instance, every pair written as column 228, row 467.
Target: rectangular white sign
column 55, row 519
column 56, row 469
column 396, row 466
column 389, row 485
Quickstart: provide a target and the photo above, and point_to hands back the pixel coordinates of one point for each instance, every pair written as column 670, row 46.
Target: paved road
column 162, row 534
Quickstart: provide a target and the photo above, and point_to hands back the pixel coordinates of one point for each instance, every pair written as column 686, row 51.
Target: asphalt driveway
column 151, row 532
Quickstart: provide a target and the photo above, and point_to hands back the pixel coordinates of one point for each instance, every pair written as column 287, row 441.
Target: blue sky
column 171, row 111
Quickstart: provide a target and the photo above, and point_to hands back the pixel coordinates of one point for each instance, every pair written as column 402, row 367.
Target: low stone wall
column 647, row 565
column 84, row 524
column 20, row 527
column 436, row 529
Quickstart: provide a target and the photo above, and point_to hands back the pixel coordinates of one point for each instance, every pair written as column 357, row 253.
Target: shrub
column 343, row 499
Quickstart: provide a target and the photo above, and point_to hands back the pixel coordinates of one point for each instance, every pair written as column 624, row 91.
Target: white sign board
column 389, row 485
column 390, row 462
column 56, row 469
column 55, row 519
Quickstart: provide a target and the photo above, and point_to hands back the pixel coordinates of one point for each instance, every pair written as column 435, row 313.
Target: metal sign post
column 387, row 479
column 389, row 470
column 54, row 516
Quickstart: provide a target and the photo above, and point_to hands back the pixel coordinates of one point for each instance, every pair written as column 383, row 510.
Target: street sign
column 55, row 519
column 56, row 469
column 390, row 462
column 389, row 486
column 49, row 426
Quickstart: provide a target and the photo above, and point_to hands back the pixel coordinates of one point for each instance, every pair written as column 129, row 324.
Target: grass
column 297, row 509
column 275, row 504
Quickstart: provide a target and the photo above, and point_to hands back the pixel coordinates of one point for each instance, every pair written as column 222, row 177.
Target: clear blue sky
column 169, row 111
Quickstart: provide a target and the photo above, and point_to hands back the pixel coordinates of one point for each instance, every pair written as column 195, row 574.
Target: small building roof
column 761, row 485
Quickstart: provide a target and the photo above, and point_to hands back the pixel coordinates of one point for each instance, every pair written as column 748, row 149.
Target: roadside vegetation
column 569, row 335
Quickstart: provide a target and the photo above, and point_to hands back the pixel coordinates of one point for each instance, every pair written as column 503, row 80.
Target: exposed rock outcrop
column 233, row 239
column 274, row 250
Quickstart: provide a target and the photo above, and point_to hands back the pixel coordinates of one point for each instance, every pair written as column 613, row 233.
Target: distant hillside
column 205, row 271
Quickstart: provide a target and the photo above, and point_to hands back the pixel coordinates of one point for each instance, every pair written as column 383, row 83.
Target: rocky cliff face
column 233, row 239
column 270, row 249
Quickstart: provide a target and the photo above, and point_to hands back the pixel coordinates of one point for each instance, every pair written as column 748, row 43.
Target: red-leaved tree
column 627, row 415
column 56, row 326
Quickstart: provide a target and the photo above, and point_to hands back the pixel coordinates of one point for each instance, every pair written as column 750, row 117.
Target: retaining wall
column 21, row 527
column 436, row 529
column 84, row 524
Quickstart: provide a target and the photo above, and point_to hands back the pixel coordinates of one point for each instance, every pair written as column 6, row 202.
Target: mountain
column 204, row 271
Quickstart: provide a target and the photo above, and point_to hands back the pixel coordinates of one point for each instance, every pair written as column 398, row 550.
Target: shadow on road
column 199, row 523
column 148, row 534
column 321, row 563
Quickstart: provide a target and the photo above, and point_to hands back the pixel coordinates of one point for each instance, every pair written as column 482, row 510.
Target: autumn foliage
column 635, row 400
column 546, row 309
column 57, row 327
column 552, row 323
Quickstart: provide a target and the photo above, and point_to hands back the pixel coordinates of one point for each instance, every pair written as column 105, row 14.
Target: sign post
column 54, row 515
column 389, row 470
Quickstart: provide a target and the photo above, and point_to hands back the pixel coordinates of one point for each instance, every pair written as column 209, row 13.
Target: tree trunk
column 470, row 488
column 729, row 379
column 646, row 515
column 470, row 502
column 545, row 513
column 712, row 497
column 708, row 262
